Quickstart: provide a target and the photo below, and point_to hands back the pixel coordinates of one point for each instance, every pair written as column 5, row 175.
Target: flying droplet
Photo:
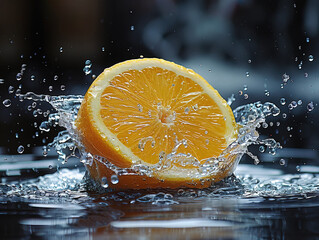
column 285, row 77
column 56, row 77
column 61, row 49
column 311, row 58
column 132, row 28
column 11, row 89
column 19, row 76
column 7, row 102
column 310, row 106
column 20, row 149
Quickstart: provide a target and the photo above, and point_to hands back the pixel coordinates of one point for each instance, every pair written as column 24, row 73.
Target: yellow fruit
column 138, row 111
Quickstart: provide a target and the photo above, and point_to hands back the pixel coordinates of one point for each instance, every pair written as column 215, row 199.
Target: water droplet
column 32, row 78
column 310, row 106
column 306, row 75
column 282, row 101
column 294, row 104
column 141, row 56
column 104, row 183
column 284, row 115
column 11, row 89
column 247, row 74
column 19, row 76
column 264, row 125
column 298, row 168
column 245, row 87
column 140, row 107
column 245, row 96
column 285, row 78
column 307, row 40
column 62, row 87
column 240, row 92
column 114, row 179
column 61, row 49
column 87, row 68
column 50, row 88
column 311, row 58
column 132, row 28
column 195, row 107
column 300, row 65
column 20, row 149
column 103, row 49
column 7, row 102
column 249, row 60
column 299, row 102
column 282, row 162
column 262, row 149
column 50, row 166
column 186, row 110
column 267, row 93
column 56, row 77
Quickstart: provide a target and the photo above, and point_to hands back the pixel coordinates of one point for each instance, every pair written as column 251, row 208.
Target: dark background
column 232, row 43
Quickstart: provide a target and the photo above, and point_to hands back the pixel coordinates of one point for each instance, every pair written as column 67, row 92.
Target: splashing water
column 67, row 143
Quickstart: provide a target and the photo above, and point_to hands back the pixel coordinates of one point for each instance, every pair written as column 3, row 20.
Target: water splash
column 67, row 143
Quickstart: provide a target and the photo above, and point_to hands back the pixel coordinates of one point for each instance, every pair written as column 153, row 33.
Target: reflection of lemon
column 137, row 111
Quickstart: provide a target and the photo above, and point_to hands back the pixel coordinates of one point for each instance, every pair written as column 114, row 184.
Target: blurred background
column 255, row 50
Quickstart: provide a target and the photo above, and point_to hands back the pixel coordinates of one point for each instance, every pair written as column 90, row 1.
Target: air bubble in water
column 262, row 149
column 20, row 149
column 114, row 179
column 310, row 106
column 186, row 110
column 284, row 115
column 104, row 182
column 245, row 96
column 282, row 101
column 7, row 102
column 282, row 162
column 310, row 58
column 299, row 102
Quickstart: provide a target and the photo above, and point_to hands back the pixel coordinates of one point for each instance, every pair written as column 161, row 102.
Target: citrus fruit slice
column 158, row 124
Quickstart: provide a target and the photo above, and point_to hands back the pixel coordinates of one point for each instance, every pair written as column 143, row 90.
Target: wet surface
column 58, row 205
